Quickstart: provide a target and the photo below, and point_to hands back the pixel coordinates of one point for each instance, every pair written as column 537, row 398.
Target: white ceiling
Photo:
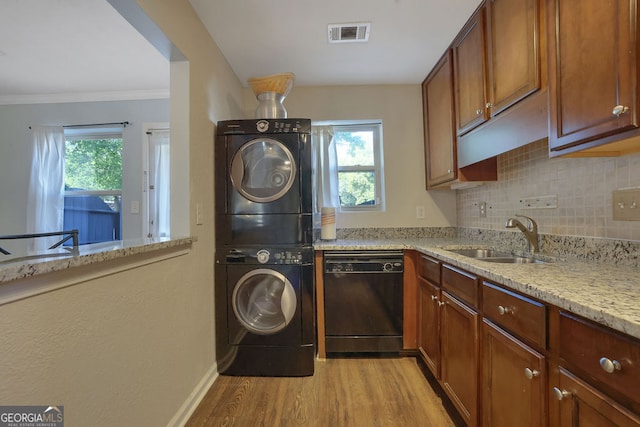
column 83, row 49
column 262, row 37
column 70, row 50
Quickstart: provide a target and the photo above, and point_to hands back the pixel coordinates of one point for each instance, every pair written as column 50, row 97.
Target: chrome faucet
column 530, row 231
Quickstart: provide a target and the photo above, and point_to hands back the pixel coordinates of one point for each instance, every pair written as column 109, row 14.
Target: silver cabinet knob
column 619, row 110
column 448, row 170
column 434, row 298
column 488, row 105
column 440, row 303
column 479, row 111
column 560, row 394
column 531, row 373
column 504, row 310
column 609, row 365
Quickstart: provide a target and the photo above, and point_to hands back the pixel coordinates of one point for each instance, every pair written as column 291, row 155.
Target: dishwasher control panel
column 363, row 262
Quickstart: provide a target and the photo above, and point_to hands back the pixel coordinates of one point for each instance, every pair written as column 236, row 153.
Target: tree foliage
column 94, row 164
column 356, row 178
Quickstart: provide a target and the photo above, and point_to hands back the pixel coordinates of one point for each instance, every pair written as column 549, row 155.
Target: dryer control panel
column 264, row 126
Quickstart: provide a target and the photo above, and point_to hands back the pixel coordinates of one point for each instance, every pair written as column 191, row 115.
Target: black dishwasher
column 363, row 294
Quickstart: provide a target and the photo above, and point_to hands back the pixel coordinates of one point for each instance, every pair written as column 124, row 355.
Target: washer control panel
column 271, row 256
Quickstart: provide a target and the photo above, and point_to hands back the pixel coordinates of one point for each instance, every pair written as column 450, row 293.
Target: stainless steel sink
column 480, row 253
column 491, row 255
column 512, row 260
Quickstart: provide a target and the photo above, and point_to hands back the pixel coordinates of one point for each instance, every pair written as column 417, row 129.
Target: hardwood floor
column 342, row 392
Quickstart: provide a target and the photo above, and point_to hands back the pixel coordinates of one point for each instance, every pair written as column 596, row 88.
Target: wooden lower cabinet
column 429, row 326
column 574, row 403
column 513, row 381
column 505, row 359
column 459, row 356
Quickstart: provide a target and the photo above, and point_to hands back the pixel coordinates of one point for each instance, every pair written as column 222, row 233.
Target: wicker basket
column 278, row 83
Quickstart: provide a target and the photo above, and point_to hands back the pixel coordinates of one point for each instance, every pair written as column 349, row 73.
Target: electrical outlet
column 539, row 202
column 482, row 207
column 419, row 212
column 626, row 205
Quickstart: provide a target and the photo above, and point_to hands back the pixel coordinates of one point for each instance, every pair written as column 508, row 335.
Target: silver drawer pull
column 531, row 373
column 434, row 298
column 560, row 394
column 609, row 365
column 504, row 310
column 619, row 110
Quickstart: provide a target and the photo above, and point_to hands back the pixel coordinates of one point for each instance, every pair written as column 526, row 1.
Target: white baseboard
column 189, row 406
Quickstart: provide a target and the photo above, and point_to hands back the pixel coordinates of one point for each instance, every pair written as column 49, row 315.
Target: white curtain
column 326, row 167
column 45, row 199
column 159, row 210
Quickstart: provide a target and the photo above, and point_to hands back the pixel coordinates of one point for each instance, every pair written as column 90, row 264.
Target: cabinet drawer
column 461, row 284
column 429, row 269
column 519, row 315
column 595, row 350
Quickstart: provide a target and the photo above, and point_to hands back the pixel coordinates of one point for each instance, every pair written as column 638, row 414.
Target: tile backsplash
column 583, row 187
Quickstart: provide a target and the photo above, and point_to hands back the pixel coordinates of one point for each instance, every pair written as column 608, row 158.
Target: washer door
column 264, row 301
column 263, row 170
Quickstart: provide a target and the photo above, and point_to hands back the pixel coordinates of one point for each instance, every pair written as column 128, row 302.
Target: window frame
column 97, row 133
column 374, row 126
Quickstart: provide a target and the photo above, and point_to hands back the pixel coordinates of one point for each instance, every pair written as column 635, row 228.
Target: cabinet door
column 580, row 405
column 469, row 67
column 439, row 133
column 513, row 381
column 513, row 51
column 429, row 326
column 610, row 358
column 460, row 356
column 592, row 70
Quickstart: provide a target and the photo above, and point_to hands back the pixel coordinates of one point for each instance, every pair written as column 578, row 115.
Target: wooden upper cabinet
column 469, row 59
column 439, row 134
column 496, row 60
column 513, row 45
column 593, row 73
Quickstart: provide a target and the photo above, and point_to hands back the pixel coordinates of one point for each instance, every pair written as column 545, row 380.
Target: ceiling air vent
column 349, row 33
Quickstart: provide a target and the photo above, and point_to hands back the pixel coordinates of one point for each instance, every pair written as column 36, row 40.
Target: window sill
column 99, row 259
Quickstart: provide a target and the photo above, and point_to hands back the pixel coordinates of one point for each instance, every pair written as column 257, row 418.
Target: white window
column 93, row 184
column 358, row 174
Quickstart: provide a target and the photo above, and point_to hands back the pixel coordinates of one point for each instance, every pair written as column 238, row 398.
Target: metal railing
column 71, row 234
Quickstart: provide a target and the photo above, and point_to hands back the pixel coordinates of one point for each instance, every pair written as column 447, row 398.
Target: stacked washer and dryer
column 264, row 274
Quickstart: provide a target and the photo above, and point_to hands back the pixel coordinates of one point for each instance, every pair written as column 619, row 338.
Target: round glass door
column 263, row 170
column 264, row 301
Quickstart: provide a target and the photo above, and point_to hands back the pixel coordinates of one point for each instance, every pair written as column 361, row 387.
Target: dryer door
column 263, row 170
column 264, row 301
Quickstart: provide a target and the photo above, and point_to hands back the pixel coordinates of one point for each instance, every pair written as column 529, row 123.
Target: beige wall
column 583, row 187
column 129, row 348
column 400, row 108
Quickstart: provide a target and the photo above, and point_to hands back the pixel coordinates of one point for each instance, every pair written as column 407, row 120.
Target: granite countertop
column 607, row 294
column 21, row 267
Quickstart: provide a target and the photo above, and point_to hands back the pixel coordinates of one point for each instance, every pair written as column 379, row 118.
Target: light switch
column 198, row 214
column 626, row 205
column 419, row 212
column 135, row 207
